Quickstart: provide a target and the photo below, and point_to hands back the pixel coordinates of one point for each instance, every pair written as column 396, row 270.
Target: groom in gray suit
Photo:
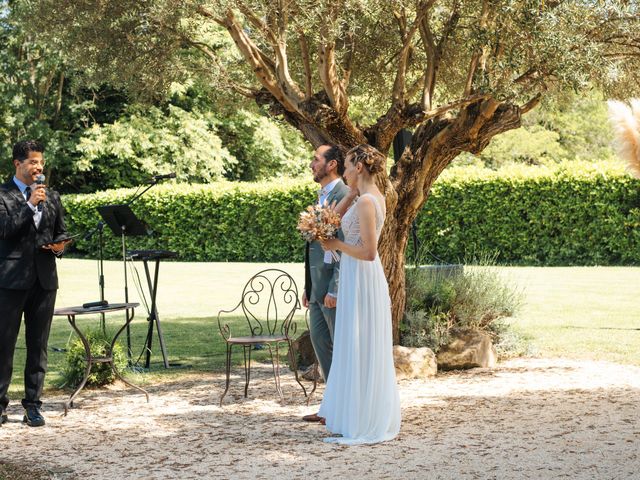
column 321, row 272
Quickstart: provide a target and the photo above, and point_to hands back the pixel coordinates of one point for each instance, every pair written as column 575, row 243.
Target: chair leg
column 276, row 371
column 294, row 364
column 315, row 381
column 228, row 366
column 247, row 368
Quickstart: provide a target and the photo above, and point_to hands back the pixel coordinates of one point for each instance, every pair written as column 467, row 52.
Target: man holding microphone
column 32, row 233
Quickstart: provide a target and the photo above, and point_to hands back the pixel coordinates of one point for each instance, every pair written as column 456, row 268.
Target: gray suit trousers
column 322, row 325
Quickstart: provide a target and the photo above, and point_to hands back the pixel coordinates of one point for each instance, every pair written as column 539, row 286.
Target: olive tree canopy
column 455, row 72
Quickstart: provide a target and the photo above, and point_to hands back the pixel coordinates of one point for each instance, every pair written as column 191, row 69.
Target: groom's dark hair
column 337, row 153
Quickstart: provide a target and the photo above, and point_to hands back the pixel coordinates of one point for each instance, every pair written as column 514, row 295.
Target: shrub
column 438, row 305
column 575, row 213
column 241, row 222
column 101, row 373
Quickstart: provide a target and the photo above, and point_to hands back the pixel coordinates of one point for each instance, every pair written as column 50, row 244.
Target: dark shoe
column 312, row 418
column 3, row 417
column 33, row 417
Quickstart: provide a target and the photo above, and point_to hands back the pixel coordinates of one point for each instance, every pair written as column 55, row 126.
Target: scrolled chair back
column 269, row 301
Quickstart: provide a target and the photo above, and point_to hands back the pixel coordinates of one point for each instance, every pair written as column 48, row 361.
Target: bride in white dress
column 361, row 401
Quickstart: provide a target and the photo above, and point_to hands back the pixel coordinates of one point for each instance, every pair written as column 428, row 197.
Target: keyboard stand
column 154, row 318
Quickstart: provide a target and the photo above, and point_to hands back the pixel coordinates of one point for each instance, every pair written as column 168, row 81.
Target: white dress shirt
column 37, row 215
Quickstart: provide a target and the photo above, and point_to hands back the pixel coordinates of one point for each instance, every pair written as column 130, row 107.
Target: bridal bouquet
column 319, row 222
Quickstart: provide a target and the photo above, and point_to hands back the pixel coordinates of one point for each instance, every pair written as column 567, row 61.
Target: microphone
column 40, row 181
column 156, row 178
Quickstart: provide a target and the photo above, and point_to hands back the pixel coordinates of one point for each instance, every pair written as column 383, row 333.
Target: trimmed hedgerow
column 572, row 214
column 217, row 222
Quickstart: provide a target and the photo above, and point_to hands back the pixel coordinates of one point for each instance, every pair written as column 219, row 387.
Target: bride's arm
column 369, row 248
column 346, row 201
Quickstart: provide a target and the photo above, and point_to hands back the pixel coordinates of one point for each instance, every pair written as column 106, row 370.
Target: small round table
column 71, row 313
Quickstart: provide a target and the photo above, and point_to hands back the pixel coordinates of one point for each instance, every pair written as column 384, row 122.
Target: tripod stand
column 122, row 221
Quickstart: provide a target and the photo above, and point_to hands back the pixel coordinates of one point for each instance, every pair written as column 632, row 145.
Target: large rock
column 414, row 362
column 467, row 349
column 303, row 348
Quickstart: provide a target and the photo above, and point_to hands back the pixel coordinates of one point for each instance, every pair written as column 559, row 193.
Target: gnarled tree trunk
column 435, row 143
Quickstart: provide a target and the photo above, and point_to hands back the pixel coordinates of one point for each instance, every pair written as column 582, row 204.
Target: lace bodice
column 351, row 221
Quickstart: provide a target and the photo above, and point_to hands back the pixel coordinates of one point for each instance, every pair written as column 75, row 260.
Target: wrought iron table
column 71, row 313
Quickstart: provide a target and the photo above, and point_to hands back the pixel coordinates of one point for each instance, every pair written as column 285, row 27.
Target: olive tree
column 457, row 73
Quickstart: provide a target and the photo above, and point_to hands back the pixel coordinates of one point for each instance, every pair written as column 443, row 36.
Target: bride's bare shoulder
column 371, row 199
column 365, row 205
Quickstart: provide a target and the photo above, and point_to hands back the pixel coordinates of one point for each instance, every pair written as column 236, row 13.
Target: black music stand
column 122, row 221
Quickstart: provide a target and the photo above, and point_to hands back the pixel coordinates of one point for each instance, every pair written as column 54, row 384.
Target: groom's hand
column 330, row 301
column 305, row 300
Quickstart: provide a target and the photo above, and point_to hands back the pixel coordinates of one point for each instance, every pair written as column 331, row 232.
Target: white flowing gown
column 361, row 400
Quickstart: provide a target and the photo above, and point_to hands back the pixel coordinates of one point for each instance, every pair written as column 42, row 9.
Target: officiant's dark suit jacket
column 28, row 285
column 21, row 261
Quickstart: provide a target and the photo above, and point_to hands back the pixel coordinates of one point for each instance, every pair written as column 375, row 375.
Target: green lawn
column 189, row 298
column 575, row 312
column 581, row 312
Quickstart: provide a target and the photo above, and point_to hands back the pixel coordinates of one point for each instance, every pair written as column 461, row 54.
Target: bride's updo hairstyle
column 371, row 159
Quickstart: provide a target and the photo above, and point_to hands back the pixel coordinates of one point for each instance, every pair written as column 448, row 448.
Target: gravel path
column 527, row 418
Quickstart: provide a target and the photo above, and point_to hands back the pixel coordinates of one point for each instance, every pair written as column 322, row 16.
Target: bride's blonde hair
column 370, row 158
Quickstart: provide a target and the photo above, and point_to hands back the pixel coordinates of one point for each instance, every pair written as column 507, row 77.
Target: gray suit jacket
column 322, row 278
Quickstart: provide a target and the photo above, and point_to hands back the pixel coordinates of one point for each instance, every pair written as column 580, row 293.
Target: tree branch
column 348, row 64
column 254, row 20
column 398, row 93
column 532, row 73
column 487, row 108
column 473, row 65
column 416, row 87
column 425, row 115
column 483, row 53
column 275, row 33
column 430, row 72
column 329, row 77
column 531, row 104
column 306, row 60
column 327, row 66
column 286, row 93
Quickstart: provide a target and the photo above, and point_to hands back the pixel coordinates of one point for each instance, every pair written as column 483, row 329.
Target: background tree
column 457, row 72
column 36, row 97
column 98, row 136
column 575, row 127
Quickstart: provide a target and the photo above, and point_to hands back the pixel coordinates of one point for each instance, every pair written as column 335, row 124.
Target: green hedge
column 239, row 222
column 574, row 214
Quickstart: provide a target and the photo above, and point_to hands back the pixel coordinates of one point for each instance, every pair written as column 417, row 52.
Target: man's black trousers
column 37, row 306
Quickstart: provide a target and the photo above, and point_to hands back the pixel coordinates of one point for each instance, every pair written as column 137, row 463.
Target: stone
column 312, row 373
column 414, row 362
column 303, row 348
column 467, row 349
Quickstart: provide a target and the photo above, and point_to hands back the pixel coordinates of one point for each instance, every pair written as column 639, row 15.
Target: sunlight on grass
column 581, row 312
column 575, row 312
